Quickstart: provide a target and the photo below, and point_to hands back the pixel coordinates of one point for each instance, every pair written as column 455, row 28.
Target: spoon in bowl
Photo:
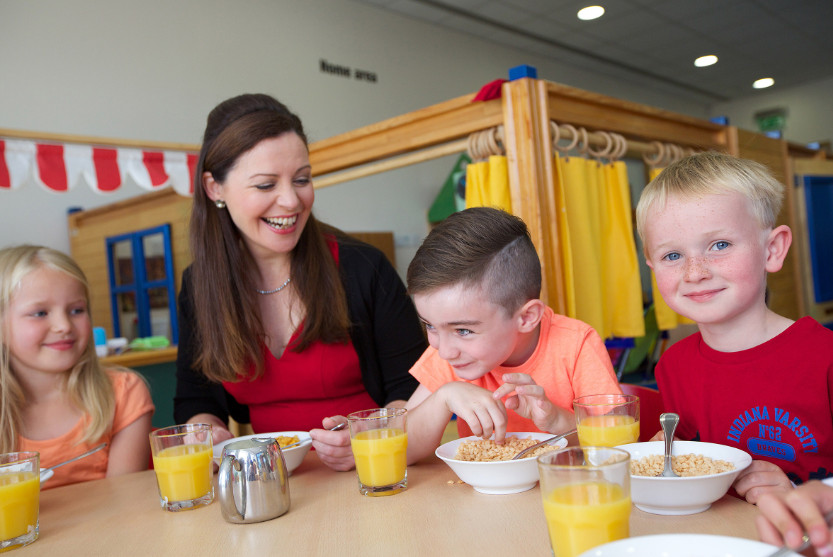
column 668, row 422
column 46, row 473
column 528, row 450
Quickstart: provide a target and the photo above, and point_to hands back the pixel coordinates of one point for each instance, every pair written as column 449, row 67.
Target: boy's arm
column 429, row 413
column 759, row 478
column 427, row 418
column 530, row 401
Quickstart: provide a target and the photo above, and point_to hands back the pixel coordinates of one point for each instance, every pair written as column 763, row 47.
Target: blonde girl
column 54, row 396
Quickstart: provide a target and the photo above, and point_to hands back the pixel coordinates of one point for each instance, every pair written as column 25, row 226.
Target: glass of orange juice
column 380, row 443
column 182, row 460
column 607, row 420
column 19, row 499
column 587, row 497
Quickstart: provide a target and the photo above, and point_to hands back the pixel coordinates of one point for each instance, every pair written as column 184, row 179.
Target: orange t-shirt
column 132, row 402
column 570, row 361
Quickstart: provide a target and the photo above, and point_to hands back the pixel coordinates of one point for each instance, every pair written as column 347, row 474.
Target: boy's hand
column 785, row 516
column 531, row 402
column 475, row 405
column 759, row 478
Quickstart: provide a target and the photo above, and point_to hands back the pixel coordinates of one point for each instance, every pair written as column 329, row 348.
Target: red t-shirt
column 298, row 390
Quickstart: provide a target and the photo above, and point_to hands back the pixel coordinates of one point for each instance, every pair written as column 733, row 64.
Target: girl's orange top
column 132, row 402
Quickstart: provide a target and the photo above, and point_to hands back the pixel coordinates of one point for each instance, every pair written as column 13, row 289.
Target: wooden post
column 529, row 150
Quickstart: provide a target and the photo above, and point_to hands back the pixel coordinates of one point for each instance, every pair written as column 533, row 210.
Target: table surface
column 436, row 515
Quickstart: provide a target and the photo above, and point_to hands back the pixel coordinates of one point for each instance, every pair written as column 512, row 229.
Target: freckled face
column 269, row 194
column 48, row 324
column 470, row 332
column 709, row 256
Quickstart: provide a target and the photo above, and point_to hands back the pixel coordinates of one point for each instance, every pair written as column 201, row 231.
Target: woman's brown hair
column 228, row 328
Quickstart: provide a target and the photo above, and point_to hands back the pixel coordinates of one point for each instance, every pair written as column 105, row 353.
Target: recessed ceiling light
column 704, row 61
column 590, row 12
column 763, row 83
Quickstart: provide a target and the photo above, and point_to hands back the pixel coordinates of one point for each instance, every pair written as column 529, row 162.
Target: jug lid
column 254, row 444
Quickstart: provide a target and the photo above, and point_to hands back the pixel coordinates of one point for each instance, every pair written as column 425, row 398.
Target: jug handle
column 226, row 477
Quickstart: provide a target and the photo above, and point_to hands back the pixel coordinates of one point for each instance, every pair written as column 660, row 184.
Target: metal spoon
column 82, row 455
column 668, row 422
column 805, row 542
column 541, row 444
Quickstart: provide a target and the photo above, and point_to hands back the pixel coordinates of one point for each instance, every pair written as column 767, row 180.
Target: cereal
column 486, row 450
column 684, row 465
column 284, row 440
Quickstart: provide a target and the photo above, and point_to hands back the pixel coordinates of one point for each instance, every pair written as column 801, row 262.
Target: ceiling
column 655, row 41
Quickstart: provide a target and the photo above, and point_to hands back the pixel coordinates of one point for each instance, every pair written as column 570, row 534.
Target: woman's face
column 268, row 194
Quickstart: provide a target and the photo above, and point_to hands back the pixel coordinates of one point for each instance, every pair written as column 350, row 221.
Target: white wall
column 809, row 112
column 153, row 69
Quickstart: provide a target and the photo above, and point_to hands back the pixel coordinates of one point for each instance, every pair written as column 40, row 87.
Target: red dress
column 298, row 390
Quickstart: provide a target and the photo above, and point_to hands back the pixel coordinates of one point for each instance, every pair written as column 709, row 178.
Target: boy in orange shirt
column 499, row 358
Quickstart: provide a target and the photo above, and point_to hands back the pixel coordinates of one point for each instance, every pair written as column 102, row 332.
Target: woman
column 284, row 322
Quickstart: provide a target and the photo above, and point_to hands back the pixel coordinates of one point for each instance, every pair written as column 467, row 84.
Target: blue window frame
column 141, row 275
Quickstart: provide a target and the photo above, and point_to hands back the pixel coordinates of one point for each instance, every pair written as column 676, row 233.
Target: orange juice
column 183, row 472
column 607, row 431
column 380, row 456
column 19, row 497
column 583, row 515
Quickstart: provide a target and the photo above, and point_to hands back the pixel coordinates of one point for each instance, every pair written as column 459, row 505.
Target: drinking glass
column 182, row 460
column 586, row 496
column 607, row 420
column 380, row 443
column 19, row 499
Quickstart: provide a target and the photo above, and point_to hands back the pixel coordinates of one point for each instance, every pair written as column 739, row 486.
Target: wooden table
column 328, row 517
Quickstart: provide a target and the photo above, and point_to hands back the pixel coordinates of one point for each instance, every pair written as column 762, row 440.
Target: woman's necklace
column 278, row 289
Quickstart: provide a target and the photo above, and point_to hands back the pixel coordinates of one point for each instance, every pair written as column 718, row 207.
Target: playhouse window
column 142, row 292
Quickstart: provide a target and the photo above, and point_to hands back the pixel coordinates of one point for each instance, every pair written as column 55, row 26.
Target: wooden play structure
column 525, row 112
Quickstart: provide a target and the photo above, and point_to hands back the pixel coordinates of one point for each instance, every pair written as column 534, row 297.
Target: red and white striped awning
column 59, row 167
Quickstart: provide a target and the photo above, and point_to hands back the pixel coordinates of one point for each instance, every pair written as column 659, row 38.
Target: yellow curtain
column 487, row 184
column 564, row 235
column 579, row 178
column 667, row 318
column 622, row 284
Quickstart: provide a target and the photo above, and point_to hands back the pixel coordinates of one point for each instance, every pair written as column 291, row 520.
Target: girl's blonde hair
column 714, row 173
column 86, row 384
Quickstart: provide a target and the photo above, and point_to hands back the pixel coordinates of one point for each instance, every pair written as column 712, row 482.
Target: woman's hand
column 785, row 516
column 759, row 478
column 219, row 429
column 333, row 447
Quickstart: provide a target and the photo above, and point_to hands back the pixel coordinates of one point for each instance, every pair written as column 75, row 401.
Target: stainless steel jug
column 253, row 482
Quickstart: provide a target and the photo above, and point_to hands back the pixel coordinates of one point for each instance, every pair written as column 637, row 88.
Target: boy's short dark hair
column 479, row 247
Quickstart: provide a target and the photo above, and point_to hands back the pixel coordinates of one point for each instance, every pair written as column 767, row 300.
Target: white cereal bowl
column 689, row 495
column 292, row 455
column 496, row 477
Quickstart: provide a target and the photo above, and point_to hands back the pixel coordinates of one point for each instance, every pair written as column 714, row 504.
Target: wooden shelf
column 140, row 358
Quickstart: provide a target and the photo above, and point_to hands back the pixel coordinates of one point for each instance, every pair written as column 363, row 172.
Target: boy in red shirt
column 499, row 358
column 749, row 378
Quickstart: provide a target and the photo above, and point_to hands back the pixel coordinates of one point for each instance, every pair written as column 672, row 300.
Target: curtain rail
column 98, row 141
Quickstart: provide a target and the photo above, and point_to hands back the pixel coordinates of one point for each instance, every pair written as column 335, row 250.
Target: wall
column 152, row 70
column 809, row 115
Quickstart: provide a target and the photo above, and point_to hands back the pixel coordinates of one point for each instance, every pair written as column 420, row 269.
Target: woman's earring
column 220, row 204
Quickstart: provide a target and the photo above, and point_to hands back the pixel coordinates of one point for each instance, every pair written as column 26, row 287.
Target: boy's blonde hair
column 479, row 247
column 714, row 173
column 87, row 385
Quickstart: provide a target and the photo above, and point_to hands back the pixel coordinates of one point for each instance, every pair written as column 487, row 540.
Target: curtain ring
column 624, row 146
column 584, row 145
column 555, row 134
column 602, row 153
column 491, row 141
column 499, row 139
column 675, row 152
column 572, row 145
column 619, row 147
column 660, row 155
